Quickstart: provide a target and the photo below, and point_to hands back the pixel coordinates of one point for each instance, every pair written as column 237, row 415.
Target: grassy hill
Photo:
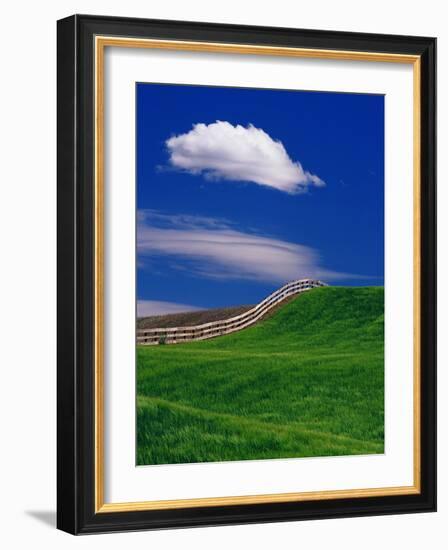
column 307, row 381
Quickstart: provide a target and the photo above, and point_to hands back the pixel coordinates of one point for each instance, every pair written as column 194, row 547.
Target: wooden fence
column 177, row 335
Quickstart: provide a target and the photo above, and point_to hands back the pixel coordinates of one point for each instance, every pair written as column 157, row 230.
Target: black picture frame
column 76, row 264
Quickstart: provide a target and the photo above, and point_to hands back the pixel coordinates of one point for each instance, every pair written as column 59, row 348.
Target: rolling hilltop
column 306, row 381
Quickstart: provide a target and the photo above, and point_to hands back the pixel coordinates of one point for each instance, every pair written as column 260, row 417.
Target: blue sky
column 241, row 190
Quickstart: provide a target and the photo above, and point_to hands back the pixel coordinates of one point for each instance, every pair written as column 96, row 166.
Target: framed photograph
column 246, row 274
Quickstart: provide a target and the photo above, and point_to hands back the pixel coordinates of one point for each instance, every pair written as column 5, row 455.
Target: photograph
column 259, row 273
column 223, row 222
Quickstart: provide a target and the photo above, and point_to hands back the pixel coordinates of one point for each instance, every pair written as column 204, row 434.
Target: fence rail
column 177, row 335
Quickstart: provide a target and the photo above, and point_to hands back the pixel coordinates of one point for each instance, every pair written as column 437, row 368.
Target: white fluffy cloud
column 223, row 151
column 214, row 249
column 148, row 308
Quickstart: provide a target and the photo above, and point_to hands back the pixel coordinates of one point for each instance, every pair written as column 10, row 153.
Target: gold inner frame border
column 100, row 43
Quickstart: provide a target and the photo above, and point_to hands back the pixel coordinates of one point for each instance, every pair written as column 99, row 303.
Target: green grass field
column 307, row 381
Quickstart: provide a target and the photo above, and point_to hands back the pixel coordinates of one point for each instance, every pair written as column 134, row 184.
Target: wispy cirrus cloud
column 148, row 308
column 216, row 249
column 222, row 151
